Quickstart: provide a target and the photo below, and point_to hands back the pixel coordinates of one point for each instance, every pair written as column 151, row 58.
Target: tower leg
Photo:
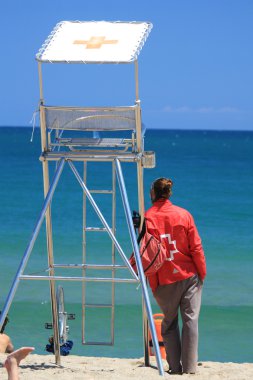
column 51, row 267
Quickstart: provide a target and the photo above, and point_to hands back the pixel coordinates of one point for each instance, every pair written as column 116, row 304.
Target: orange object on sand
column 158, row 325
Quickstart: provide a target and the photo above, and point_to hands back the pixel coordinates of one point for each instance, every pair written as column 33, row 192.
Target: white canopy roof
column 94, row 42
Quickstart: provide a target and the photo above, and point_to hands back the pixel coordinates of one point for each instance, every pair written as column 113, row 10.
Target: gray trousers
column 182, row 354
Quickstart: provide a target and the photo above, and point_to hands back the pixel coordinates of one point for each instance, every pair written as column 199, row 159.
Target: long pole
column 50, row 254
column 29, row 248
column 139, row 265
column 139, row 142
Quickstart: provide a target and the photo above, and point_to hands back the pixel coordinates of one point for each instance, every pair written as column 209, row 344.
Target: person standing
column 178, row 283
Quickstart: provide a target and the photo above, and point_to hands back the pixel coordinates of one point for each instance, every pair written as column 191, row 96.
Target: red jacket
column 176, row 228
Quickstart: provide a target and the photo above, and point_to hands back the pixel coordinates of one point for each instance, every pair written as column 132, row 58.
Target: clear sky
column 196, row 68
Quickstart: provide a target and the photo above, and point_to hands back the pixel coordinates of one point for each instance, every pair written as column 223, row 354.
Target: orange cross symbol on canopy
column 95, row 42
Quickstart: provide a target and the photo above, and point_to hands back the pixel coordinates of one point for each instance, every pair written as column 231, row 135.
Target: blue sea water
column 212, row 174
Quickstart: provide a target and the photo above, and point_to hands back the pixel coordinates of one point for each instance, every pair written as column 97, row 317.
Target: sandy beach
column 42, row 367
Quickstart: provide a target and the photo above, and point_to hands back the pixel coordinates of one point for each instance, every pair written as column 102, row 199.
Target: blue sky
column 196, row 68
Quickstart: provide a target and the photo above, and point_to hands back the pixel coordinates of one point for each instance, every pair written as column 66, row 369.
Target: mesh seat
column 88, row 119
column 63, row 120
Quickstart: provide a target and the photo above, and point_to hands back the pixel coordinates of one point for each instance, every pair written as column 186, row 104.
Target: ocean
column 212, row 174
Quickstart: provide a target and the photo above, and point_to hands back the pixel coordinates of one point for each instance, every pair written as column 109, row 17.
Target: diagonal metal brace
column 139, row 265
column 29, row 248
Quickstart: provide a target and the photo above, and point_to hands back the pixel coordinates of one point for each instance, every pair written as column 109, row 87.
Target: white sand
column 42, row 367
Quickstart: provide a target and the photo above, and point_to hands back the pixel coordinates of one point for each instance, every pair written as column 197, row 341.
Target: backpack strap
column 142, row 233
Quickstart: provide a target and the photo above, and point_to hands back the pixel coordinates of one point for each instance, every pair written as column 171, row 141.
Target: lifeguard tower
column 72, row 134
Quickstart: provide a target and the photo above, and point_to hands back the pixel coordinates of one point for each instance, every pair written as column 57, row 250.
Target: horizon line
column 153, row 129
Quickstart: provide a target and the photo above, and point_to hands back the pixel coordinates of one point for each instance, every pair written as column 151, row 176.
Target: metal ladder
column 86, row 229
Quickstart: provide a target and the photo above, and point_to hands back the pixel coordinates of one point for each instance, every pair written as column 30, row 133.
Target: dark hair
column 4, row 324
column 162, row 188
